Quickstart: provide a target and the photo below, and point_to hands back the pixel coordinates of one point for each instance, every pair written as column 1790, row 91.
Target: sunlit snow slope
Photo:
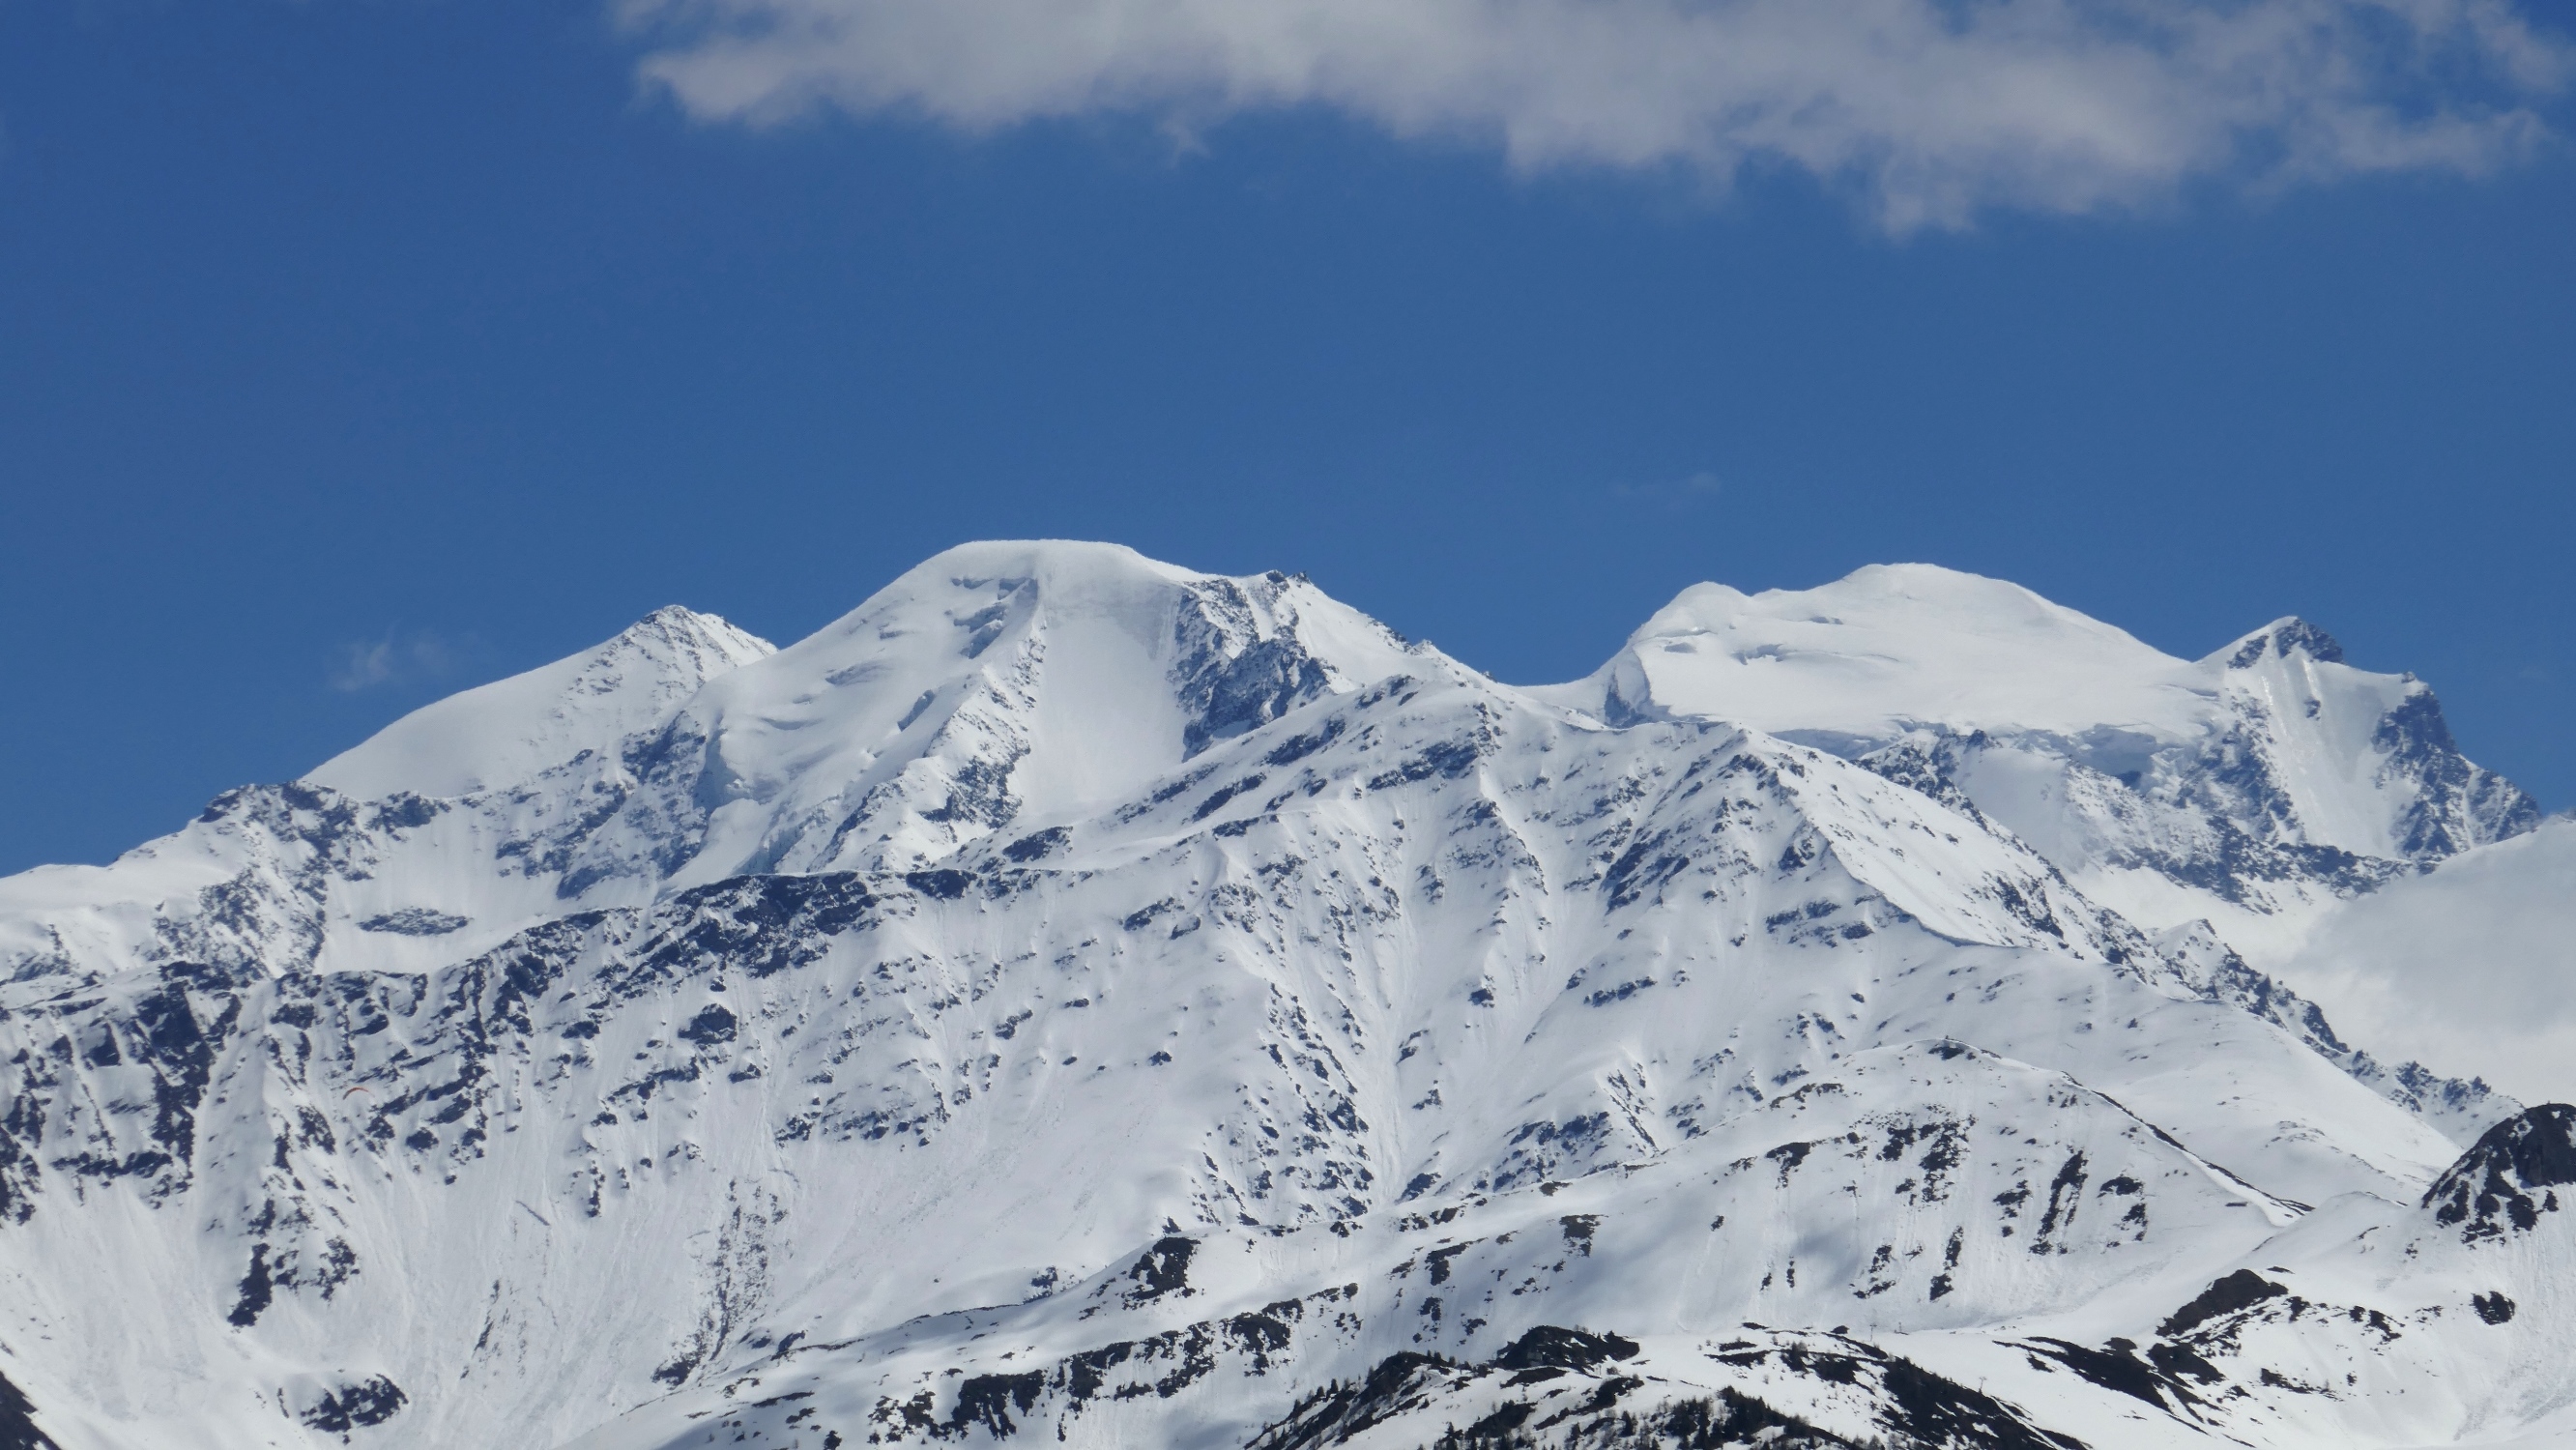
column 1075, row 1000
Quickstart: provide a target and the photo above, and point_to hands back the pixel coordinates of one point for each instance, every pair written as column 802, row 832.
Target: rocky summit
column 1072, row 1000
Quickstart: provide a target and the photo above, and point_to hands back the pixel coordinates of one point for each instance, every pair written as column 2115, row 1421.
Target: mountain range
column 1072, row 999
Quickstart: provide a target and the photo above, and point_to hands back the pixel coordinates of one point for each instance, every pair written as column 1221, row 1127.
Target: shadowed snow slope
column 1076, row 1000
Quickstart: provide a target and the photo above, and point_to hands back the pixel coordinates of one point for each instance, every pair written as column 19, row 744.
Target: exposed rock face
column 2509, row 1179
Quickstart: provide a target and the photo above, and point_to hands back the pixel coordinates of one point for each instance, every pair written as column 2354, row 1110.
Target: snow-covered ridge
column 996, row 682
column 2256, row 786
column 1893, row 647
column 510, row 731
column 1075, row 999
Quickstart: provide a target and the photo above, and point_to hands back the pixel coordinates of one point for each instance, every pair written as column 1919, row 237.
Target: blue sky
column 356, row 351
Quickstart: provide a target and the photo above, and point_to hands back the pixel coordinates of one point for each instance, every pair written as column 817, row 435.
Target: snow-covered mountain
column 1072, row 998
column 2254, row 786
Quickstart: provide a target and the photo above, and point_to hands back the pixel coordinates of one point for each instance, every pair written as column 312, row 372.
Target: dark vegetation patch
column 1165, row 1269
column 1337, row 1412
column 2241, row 1290
column 369, row 1402
column 18, row 1421
column 1549, row 1346
column 1718, row 1422
column 2117, row 1367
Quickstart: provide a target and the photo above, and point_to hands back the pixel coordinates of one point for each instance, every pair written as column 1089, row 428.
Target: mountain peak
column 2282, row 637
column 679, row 620
column 1060, row 559
column 2109, row 756
column 961, row 603
column 992, row 680
column 1887, row 647
column 507, row 732
column 1955, row 599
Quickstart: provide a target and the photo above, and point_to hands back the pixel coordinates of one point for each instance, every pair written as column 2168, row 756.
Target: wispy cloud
column 400, row 656
column 1933, row 110
column 1672, row 493
column 2465, row 970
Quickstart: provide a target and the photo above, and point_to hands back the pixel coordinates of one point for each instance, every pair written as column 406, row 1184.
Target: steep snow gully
column 1075, row 1000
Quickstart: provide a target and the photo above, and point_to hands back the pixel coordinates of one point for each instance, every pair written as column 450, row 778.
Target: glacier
column 1076, row 999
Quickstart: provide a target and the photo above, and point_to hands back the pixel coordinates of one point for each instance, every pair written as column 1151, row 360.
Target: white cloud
column 1934, row 109
column 2471, row 970
column 1675, row 494
column 397, row 656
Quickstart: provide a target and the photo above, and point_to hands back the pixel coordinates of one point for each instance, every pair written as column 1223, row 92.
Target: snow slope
column 508, row 732
column 1893, row 647
column 1076, row 998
